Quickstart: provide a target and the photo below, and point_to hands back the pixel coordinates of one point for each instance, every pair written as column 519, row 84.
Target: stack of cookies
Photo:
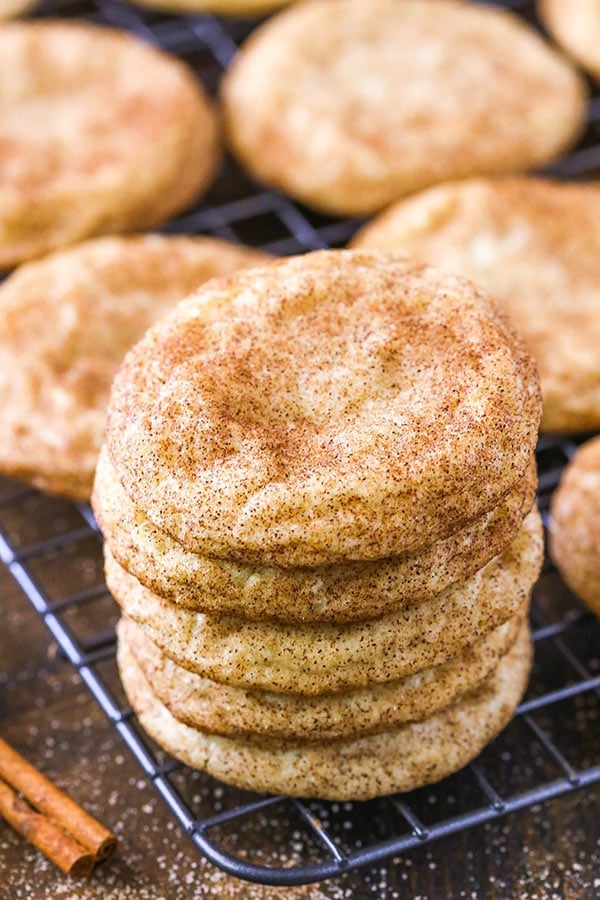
column 316, row 491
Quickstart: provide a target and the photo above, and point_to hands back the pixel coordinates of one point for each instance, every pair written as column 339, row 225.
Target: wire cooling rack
column 52, row 548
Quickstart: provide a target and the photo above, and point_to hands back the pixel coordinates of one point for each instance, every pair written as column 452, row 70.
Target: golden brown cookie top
column 338, row 405
column 349, row 106
column 66, row 322
column 575, row 25
column 99, row 132
column 535, row 246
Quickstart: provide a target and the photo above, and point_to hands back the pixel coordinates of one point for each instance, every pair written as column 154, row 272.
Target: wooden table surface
column 550, row 851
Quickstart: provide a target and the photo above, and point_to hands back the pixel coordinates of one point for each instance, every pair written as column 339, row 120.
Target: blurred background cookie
column 575, row 524
column 535, row 247
column 11, row 8
column 220, row 7
column 99, row 132
column 575, row 25
column 349, row 106
column 66, row 322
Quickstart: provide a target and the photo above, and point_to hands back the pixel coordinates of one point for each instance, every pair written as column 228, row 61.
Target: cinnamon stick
column 42, row 794
column 58, row 846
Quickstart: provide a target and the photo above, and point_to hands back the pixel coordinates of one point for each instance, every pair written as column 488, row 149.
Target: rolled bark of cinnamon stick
column 42, row 794
column 58, row 846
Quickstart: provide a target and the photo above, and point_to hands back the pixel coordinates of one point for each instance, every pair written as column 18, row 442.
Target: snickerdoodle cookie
column 338, row 593
column 575, row 25
column 534, row 245
column 575, row 524
column 320, row 658
column 343, row 405
column 352, row 768
column 66, row 321
column 230, row 711
column 99, row 132
column 350, row 106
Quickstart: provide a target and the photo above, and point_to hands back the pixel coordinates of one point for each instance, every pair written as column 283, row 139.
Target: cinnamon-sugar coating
column 232, row 711
column 343, row 592
column 321, row 658
column 575, row 524
column 99, row 132
column 354, row 768
column 343, row 405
